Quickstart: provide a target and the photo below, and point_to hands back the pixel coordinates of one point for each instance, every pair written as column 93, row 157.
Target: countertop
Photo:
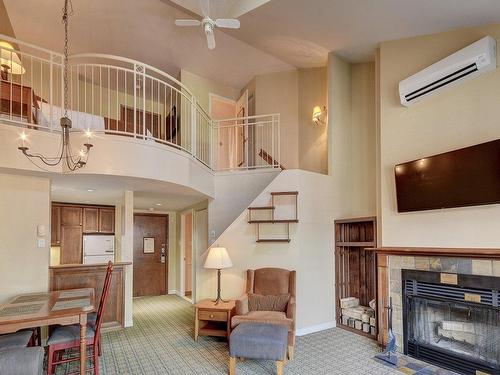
column 96, row 265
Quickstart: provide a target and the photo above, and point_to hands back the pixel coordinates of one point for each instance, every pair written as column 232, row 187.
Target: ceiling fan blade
column 205, row 7
column 210, row 40
column 187, row 22
column 227, row 23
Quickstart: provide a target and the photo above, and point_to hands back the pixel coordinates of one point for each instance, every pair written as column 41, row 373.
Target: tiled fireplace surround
column 438, row 264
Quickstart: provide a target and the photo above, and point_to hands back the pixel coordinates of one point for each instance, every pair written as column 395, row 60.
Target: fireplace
column 452, row 320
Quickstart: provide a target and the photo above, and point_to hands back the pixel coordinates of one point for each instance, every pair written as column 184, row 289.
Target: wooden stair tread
column 262, row 208
column 270, row 221
column 285, row 193
column 274, row 240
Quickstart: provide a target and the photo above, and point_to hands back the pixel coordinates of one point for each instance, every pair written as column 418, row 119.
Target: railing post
column 210, row 142
column 278, row 121
column 51, row 90
column 193, row 127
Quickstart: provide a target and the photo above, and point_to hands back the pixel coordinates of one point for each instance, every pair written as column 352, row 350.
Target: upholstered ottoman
column 258, row 341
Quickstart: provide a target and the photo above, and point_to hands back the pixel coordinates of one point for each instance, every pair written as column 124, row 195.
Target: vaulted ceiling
column 275, row 35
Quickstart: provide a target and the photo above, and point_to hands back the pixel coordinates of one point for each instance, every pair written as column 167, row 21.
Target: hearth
column 452, row 320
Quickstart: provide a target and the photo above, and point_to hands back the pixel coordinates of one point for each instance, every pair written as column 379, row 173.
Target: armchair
column 269, row 298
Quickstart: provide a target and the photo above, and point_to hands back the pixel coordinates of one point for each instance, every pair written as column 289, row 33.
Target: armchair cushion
column 242, row 305
column 258, row 302
column 266, row 317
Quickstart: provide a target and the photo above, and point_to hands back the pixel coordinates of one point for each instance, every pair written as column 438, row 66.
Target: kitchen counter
column 75, row 276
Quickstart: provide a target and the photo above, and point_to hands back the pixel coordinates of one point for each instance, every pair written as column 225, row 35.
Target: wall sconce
column 319, row 115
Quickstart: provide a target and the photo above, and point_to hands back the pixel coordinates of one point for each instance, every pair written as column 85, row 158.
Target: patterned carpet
column 160, row 342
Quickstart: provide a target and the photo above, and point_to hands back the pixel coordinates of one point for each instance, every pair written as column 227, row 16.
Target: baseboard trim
column 172, row 291
column 316, row 328
column 129, row 323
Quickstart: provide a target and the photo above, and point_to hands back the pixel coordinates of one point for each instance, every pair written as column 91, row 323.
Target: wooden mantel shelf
column 455, row 252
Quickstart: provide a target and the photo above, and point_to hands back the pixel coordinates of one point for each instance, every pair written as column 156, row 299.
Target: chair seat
column 26, row 361
column 69, row 333
column 92, row 319
column 259, row 341
column 15, row 340
column 267, row 317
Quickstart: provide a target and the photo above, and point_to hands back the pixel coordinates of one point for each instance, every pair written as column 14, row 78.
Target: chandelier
column 66, row 155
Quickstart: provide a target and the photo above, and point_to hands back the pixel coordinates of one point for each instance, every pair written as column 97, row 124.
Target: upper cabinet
column 90, row 220
column 71, row 215
column 106, row 220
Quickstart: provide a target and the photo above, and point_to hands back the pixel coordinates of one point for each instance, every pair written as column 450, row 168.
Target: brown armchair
column 269, row 282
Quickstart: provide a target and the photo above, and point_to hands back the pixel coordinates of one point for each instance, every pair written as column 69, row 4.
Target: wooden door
column 188, row 253
column 90, row 220
column 55, row 226
column 71, row 244
column 150, row 270
column 71, row 216
column 106, row 220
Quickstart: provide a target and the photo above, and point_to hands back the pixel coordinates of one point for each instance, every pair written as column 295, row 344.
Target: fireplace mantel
column 455, row 252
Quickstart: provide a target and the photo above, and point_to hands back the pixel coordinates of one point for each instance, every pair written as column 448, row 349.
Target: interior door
column 242, row 136
column 200, row 242
column 150, row 255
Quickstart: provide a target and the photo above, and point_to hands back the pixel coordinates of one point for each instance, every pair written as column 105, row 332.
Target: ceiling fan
column 209, row 24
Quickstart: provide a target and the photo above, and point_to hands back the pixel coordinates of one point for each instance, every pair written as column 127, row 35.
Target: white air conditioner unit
column 472, row 61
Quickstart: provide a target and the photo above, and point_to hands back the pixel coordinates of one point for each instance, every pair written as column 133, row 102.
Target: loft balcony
column 113, row 97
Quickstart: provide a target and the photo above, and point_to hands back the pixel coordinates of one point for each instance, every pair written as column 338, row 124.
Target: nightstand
column 213, row 320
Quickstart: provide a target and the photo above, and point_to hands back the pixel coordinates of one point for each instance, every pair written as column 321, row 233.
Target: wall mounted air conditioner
column 472, row 61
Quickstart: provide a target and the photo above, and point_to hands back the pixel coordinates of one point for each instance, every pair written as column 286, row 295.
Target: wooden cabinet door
column 90, row 220
column 55, row 226
column 71, row 216
column 106, row 220
column 71, row 244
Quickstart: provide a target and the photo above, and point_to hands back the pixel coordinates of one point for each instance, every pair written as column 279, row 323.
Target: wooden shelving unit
column 355, row 267
column 273, row 220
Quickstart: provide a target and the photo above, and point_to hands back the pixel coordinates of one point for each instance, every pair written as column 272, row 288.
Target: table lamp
column 9, row 61
column 218, row 259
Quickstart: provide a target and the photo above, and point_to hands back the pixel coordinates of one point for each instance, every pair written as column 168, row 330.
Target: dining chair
column 68, row 337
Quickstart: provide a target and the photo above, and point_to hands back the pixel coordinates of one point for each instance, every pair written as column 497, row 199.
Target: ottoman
column 258, row 341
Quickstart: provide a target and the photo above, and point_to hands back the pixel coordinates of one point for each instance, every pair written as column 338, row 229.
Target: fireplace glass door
column 466, row 330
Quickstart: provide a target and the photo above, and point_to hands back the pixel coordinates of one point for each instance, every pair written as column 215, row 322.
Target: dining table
column 64, row 307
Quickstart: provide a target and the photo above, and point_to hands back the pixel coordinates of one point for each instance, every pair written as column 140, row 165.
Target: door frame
column 182, row 288
column 167, row 255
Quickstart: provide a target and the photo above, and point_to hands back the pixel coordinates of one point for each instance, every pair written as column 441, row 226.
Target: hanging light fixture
column 73, row 161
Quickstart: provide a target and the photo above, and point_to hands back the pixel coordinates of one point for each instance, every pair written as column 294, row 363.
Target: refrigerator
column 98, row 249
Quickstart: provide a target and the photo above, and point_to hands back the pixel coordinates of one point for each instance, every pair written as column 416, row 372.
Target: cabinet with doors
column 69, row 222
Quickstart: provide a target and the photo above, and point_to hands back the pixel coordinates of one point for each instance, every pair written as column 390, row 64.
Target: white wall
column 24, row 204
column 464, row 115
column 234, row 191
column 309, row 252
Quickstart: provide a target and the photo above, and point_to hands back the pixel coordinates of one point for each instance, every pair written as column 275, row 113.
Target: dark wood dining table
column 62, row 307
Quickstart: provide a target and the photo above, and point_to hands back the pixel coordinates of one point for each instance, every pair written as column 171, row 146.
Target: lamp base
column 219, row 300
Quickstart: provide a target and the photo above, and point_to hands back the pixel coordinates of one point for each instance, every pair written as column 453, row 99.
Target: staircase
column 273, row 220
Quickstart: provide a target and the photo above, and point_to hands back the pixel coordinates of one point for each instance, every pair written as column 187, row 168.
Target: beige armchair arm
column 242, row 305
column 290, row 311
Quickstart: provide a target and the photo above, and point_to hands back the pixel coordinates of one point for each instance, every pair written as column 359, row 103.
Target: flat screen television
column 466, row 177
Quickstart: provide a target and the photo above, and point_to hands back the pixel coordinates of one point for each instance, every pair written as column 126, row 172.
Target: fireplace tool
column 389, row 354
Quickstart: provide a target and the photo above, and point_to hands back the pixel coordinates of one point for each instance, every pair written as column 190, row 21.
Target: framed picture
column 149, row 245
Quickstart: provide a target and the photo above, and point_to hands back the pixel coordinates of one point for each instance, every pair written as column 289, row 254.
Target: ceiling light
column 90, row 190
column 158, row 204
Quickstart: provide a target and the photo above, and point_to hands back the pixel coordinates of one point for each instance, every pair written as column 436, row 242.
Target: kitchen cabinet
column 71, row 244
column 106, row 220
column 90, row 220
column 71, row 216
column 55, row 226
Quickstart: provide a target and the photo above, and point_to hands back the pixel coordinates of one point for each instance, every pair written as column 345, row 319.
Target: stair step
column 262, row 208
column 285, row 193
column 273, row 221
column 274, row 240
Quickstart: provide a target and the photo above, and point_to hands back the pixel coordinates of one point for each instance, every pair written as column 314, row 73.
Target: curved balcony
column 112, row 95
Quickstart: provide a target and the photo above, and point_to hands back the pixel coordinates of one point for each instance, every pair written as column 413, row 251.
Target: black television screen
column 466, row 177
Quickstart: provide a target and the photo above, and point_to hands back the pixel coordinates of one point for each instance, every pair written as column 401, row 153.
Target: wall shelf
column 273, row 220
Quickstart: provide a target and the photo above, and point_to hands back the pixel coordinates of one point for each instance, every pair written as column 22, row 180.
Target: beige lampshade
column 218, row 258
column 10, row 59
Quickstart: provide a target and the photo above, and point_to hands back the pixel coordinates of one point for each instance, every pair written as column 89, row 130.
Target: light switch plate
column 41, row 242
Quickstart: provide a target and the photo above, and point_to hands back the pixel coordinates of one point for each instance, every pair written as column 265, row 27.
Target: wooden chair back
column 104, row 298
